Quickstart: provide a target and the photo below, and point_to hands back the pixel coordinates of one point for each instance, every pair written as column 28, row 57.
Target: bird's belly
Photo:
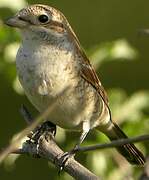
column 42, row 95
column 66, row 113
column 44, row 81
column 70, row 110
column 78, row 104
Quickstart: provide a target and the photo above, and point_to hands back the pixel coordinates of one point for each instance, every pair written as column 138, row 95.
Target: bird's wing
column 89, row 74
column 87, row 71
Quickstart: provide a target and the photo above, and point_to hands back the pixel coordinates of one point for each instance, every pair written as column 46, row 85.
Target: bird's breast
column 46, row 69
column 44, row 75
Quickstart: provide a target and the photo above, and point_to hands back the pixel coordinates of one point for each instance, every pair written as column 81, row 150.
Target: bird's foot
column 47, row 129
column 64, row 158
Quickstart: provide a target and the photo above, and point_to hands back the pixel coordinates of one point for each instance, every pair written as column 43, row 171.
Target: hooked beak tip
column 7, row 22
column 10, row 21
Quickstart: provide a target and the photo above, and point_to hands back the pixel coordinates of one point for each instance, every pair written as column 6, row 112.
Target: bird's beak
column 16, row 21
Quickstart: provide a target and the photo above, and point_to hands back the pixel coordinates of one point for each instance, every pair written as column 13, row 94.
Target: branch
column 52, row 152
column 45, row 147
column 48, row 149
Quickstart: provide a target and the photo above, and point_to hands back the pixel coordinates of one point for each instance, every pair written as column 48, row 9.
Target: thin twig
column 114, row 143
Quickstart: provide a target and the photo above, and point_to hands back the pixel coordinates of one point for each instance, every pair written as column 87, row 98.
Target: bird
column 50, row 59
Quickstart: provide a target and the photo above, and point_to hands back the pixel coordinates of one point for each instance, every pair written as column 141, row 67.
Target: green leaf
column 110, row 51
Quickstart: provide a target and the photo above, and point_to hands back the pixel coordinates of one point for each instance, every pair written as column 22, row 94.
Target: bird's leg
column 71, row 153
column 81, row 139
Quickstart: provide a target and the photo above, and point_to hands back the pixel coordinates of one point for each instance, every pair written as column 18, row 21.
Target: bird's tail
column 129, row 151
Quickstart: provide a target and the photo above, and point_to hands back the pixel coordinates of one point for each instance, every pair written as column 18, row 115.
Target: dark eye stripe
column 24, row 19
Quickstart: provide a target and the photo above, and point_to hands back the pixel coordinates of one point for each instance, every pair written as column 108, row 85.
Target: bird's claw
column 45, row 127
column 64, row 158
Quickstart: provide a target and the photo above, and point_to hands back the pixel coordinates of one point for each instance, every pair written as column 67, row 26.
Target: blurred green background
column 109, row 31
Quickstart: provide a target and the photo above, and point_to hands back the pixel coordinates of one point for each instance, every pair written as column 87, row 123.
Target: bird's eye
column 43, row 18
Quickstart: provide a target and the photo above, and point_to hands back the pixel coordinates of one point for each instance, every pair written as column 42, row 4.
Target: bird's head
column 41, row 20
